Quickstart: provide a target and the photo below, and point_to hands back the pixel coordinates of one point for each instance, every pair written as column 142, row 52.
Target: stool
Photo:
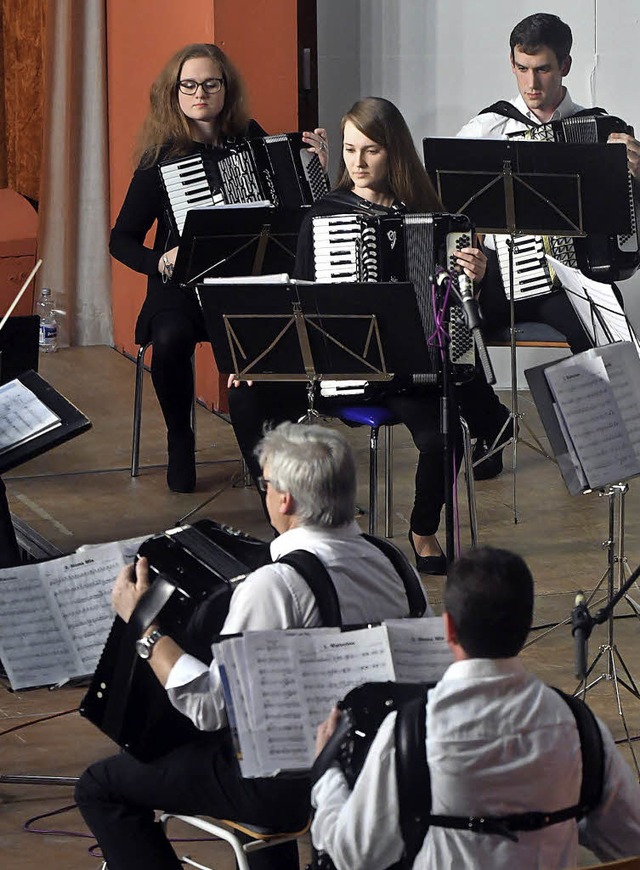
column 137, row 408
column 374, row 417
column 259, row 838
column 377, row 416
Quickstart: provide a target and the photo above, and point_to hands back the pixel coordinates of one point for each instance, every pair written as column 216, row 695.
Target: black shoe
column 428, row 564
column 181, row 467
column 487, row 467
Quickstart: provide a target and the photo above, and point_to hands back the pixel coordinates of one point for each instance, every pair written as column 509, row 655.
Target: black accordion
column 411, row 247
column 277, row 169
column 600, row 257
column 194, row 570
column 363, row 711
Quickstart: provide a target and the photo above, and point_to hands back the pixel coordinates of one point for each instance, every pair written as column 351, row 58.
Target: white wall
column 441, row 61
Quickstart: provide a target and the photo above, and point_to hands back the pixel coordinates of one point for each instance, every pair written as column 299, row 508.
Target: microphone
column 581, row 625
column 469, row 302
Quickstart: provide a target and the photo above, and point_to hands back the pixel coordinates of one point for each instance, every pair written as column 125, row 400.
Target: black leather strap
column 412, row 586
column 319, row 581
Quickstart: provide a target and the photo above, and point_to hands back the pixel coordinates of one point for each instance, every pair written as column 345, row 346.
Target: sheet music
column 419, row 649
column 22, row 416
column 598, row 394
column 282, row 684
column 611, row 324
column 55, row 616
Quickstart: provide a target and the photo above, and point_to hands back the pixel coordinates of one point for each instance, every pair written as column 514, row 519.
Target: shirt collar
column 302, row 536
column 566, row 108
column 479, row 668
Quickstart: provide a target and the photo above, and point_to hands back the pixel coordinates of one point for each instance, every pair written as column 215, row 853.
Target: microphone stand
column 582, row 623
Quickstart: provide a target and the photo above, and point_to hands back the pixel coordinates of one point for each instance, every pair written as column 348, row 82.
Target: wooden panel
column 23, row 63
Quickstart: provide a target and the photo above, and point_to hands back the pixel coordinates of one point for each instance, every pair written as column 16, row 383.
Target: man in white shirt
column 540, row 47
column 499, row 742
column 310, row 484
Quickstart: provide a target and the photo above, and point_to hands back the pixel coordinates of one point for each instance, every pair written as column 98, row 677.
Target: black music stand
column 307, row 332
column 226, row 241
column 510, row 186
column 579, row 478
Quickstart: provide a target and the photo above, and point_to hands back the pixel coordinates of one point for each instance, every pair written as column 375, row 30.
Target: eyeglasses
column 263, row 483
column 210, row 86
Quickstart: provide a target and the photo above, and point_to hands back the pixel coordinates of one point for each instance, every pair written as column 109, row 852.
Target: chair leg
column 137, row 410
column 388, row 482
column 373, row 480
column 471, row 490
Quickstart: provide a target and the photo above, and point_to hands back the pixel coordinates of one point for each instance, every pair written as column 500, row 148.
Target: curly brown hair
column 165, row 128
column 381, row 121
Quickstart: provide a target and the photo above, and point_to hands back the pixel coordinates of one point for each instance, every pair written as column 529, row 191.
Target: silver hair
column 317, row 467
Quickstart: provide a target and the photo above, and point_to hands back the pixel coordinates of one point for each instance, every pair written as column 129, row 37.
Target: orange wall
column 258, row 35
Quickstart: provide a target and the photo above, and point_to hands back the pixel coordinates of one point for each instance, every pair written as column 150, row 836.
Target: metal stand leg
column 471, row 490
column 373, row 480
column 616, row 671
column 388, row 482
column 137, row 410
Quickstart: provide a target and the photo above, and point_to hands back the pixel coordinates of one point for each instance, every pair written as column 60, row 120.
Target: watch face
column 143, row 648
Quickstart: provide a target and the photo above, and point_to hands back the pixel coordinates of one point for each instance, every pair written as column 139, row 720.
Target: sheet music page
column 584, row 391
column 22, row 416
column 55, row 616
column 80, row 585
column 582, row 292
column 332, row 666
column 419, row 650
column 128, row 547
column 227, row 655
column 35, row 647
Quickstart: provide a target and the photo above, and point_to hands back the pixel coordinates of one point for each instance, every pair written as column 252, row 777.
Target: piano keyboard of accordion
column 194, row 571
column 603, row 258
column 361, row 248
column 277, row 169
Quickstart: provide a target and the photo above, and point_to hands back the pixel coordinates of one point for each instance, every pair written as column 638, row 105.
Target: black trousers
column 117, row 798
column 174, row 337
column 251, row 408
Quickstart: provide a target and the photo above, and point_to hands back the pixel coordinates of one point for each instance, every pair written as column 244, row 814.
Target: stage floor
column 82, row 492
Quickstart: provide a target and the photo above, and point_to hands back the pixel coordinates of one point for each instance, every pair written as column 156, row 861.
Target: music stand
column 596, row 457
column 527, row 187
column 311, row 331
column 225, row 241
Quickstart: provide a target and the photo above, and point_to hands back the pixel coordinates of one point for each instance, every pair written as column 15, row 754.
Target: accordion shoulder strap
column 318, row 579
column 508, row 110
column 412, row 586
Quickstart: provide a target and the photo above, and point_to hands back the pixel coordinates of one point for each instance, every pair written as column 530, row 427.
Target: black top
column 334, row 202
column 144, row 204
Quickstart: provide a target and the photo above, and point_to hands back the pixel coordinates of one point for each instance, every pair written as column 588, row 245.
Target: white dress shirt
column 498, row 742
column 493, row 126
column 276, row 596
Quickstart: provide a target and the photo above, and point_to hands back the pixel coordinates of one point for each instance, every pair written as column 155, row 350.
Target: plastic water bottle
column 48, row 322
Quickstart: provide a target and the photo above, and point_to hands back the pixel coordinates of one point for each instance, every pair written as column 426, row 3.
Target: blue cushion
column 367, row 415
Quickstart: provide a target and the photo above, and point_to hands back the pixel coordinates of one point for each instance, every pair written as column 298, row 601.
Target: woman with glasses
column 197, row 105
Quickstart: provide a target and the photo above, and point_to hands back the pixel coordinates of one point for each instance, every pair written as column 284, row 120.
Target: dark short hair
column 542, row 29
column 489, row 596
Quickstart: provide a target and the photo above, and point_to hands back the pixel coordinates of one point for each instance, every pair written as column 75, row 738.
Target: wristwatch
column 145, row 645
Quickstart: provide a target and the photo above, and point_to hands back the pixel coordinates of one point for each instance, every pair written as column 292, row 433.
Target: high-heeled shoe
column 428, row 564
column 181, row 465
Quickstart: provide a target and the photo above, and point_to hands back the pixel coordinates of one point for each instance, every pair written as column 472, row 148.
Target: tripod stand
column 615, row 670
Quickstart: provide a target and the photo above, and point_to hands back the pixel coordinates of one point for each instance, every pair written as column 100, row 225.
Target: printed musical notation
column 597, row 402
column 55, row 616
column 279, row 685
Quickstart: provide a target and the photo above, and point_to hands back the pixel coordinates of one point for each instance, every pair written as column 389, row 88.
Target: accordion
column 277, row 169
column 603, row 258
column 363, row 711
column 194, row 571
column 412, row 247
